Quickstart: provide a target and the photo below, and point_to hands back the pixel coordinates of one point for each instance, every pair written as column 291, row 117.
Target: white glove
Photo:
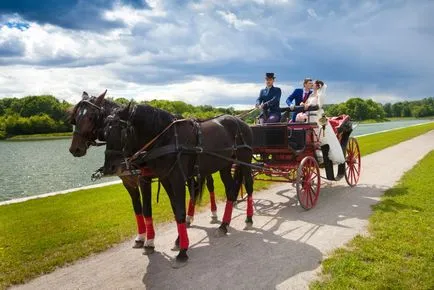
column 292, row 107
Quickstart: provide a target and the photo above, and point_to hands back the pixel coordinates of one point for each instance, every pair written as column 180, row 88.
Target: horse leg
column 228, row 181
column 168, row 187
column 177, row 200
column 146, row 189
column 134, row 192
column 210, row 187
column 248, row 181
column 191, row 204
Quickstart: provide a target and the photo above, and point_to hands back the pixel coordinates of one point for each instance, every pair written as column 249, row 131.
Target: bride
column 327, row 135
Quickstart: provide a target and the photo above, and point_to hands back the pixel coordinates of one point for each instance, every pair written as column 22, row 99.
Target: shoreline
column 388, row 130
column 23, row 199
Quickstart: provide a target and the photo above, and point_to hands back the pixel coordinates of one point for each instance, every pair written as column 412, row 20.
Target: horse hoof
column 221, row 232
column 148, row 250
column 138, row 244
column 214, row 220
column 175, row 248
column 179, row 262
column 249, row 226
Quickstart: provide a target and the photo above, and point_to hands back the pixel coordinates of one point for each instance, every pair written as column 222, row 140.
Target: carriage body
column 293, row 153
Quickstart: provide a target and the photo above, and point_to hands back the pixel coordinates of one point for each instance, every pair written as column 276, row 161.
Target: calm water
column 36, row 167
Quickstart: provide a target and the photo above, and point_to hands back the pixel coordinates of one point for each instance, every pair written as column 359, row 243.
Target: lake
column 35, row 167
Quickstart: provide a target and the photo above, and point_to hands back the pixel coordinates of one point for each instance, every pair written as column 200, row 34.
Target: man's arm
column 291, row 98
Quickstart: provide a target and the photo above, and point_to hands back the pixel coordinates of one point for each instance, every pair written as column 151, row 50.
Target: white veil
column 321, row 95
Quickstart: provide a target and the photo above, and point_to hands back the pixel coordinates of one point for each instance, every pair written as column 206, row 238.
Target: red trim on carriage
column 336, row 122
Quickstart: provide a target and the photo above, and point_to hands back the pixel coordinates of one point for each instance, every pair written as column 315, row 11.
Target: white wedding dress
column 326, row 136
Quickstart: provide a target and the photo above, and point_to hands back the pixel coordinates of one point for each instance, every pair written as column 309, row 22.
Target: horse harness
column 146, row 153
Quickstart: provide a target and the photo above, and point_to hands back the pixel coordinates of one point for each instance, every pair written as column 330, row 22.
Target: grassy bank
column 399, row 252
column 34, row 137
column 39, row 235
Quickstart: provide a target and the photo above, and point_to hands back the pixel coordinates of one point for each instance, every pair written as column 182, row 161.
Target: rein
column 151, row 142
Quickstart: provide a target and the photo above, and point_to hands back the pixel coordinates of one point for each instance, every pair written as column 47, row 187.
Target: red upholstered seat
column 336, row 122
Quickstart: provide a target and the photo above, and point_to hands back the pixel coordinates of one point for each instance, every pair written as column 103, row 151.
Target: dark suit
column 270, row 98
column 297, row 96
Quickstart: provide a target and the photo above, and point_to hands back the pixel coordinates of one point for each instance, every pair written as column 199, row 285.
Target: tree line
column 47, row 114
column 360, row 109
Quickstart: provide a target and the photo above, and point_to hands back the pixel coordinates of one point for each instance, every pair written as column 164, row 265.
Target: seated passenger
column 299, row 96
column 325, row 133
column 268, row 101
column 313, row 99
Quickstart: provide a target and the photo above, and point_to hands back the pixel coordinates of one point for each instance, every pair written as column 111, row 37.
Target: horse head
column 87, row 116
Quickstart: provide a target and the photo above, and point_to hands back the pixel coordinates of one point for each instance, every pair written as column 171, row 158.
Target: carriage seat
column 337, row 122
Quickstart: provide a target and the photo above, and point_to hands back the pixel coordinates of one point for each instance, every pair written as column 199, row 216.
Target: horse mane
column 107, row 104
column 156, row 119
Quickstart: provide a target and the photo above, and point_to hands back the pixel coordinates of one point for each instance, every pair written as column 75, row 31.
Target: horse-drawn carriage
column 150, row 142
column 291, row 152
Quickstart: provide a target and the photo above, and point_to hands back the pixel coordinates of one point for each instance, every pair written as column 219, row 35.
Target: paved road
column 284, row 251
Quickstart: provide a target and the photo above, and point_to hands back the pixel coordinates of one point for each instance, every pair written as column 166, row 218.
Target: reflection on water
column 36, row 167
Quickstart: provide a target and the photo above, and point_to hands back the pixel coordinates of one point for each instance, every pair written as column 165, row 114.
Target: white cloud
column 214, row 52
column 233, row 20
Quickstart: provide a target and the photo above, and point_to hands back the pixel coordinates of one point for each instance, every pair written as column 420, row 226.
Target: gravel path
column 284, row 251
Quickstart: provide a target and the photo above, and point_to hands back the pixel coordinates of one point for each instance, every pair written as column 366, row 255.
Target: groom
column 300, row 96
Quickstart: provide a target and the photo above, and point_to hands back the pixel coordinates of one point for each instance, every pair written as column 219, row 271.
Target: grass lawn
column 39, row 235
column 399, row 252
column 33, row 137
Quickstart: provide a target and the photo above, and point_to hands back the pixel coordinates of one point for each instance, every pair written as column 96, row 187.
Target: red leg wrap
column 250, row 206
column 183, row 237
column 150, row 233
column 228, row 212
column 191, row 208
column 212, row 200
column 141, row 229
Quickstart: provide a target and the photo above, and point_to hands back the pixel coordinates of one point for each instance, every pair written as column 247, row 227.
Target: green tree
column 388, row 109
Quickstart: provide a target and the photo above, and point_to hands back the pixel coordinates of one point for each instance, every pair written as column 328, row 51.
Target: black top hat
column 270, row 76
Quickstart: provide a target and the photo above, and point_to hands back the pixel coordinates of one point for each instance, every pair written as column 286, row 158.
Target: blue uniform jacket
column 271, row 100
column 296, row 95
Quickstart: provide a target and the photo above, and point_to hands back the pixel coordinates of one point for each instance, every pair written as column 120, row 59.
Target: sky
column 216, row 52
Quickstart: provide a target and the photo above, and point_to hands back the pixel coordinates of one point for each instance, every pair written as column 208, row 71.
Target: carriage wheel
column 352, row 162
column 308, row 182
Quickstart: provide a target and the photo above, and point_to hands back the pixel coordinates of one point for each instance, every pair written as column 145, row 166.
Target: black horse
column 178, row 150
column 88, row 117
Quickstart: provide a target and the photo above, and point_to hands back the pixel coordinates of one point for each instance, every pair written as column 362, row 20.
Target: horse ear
column 100, row 98
column 85, row 96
